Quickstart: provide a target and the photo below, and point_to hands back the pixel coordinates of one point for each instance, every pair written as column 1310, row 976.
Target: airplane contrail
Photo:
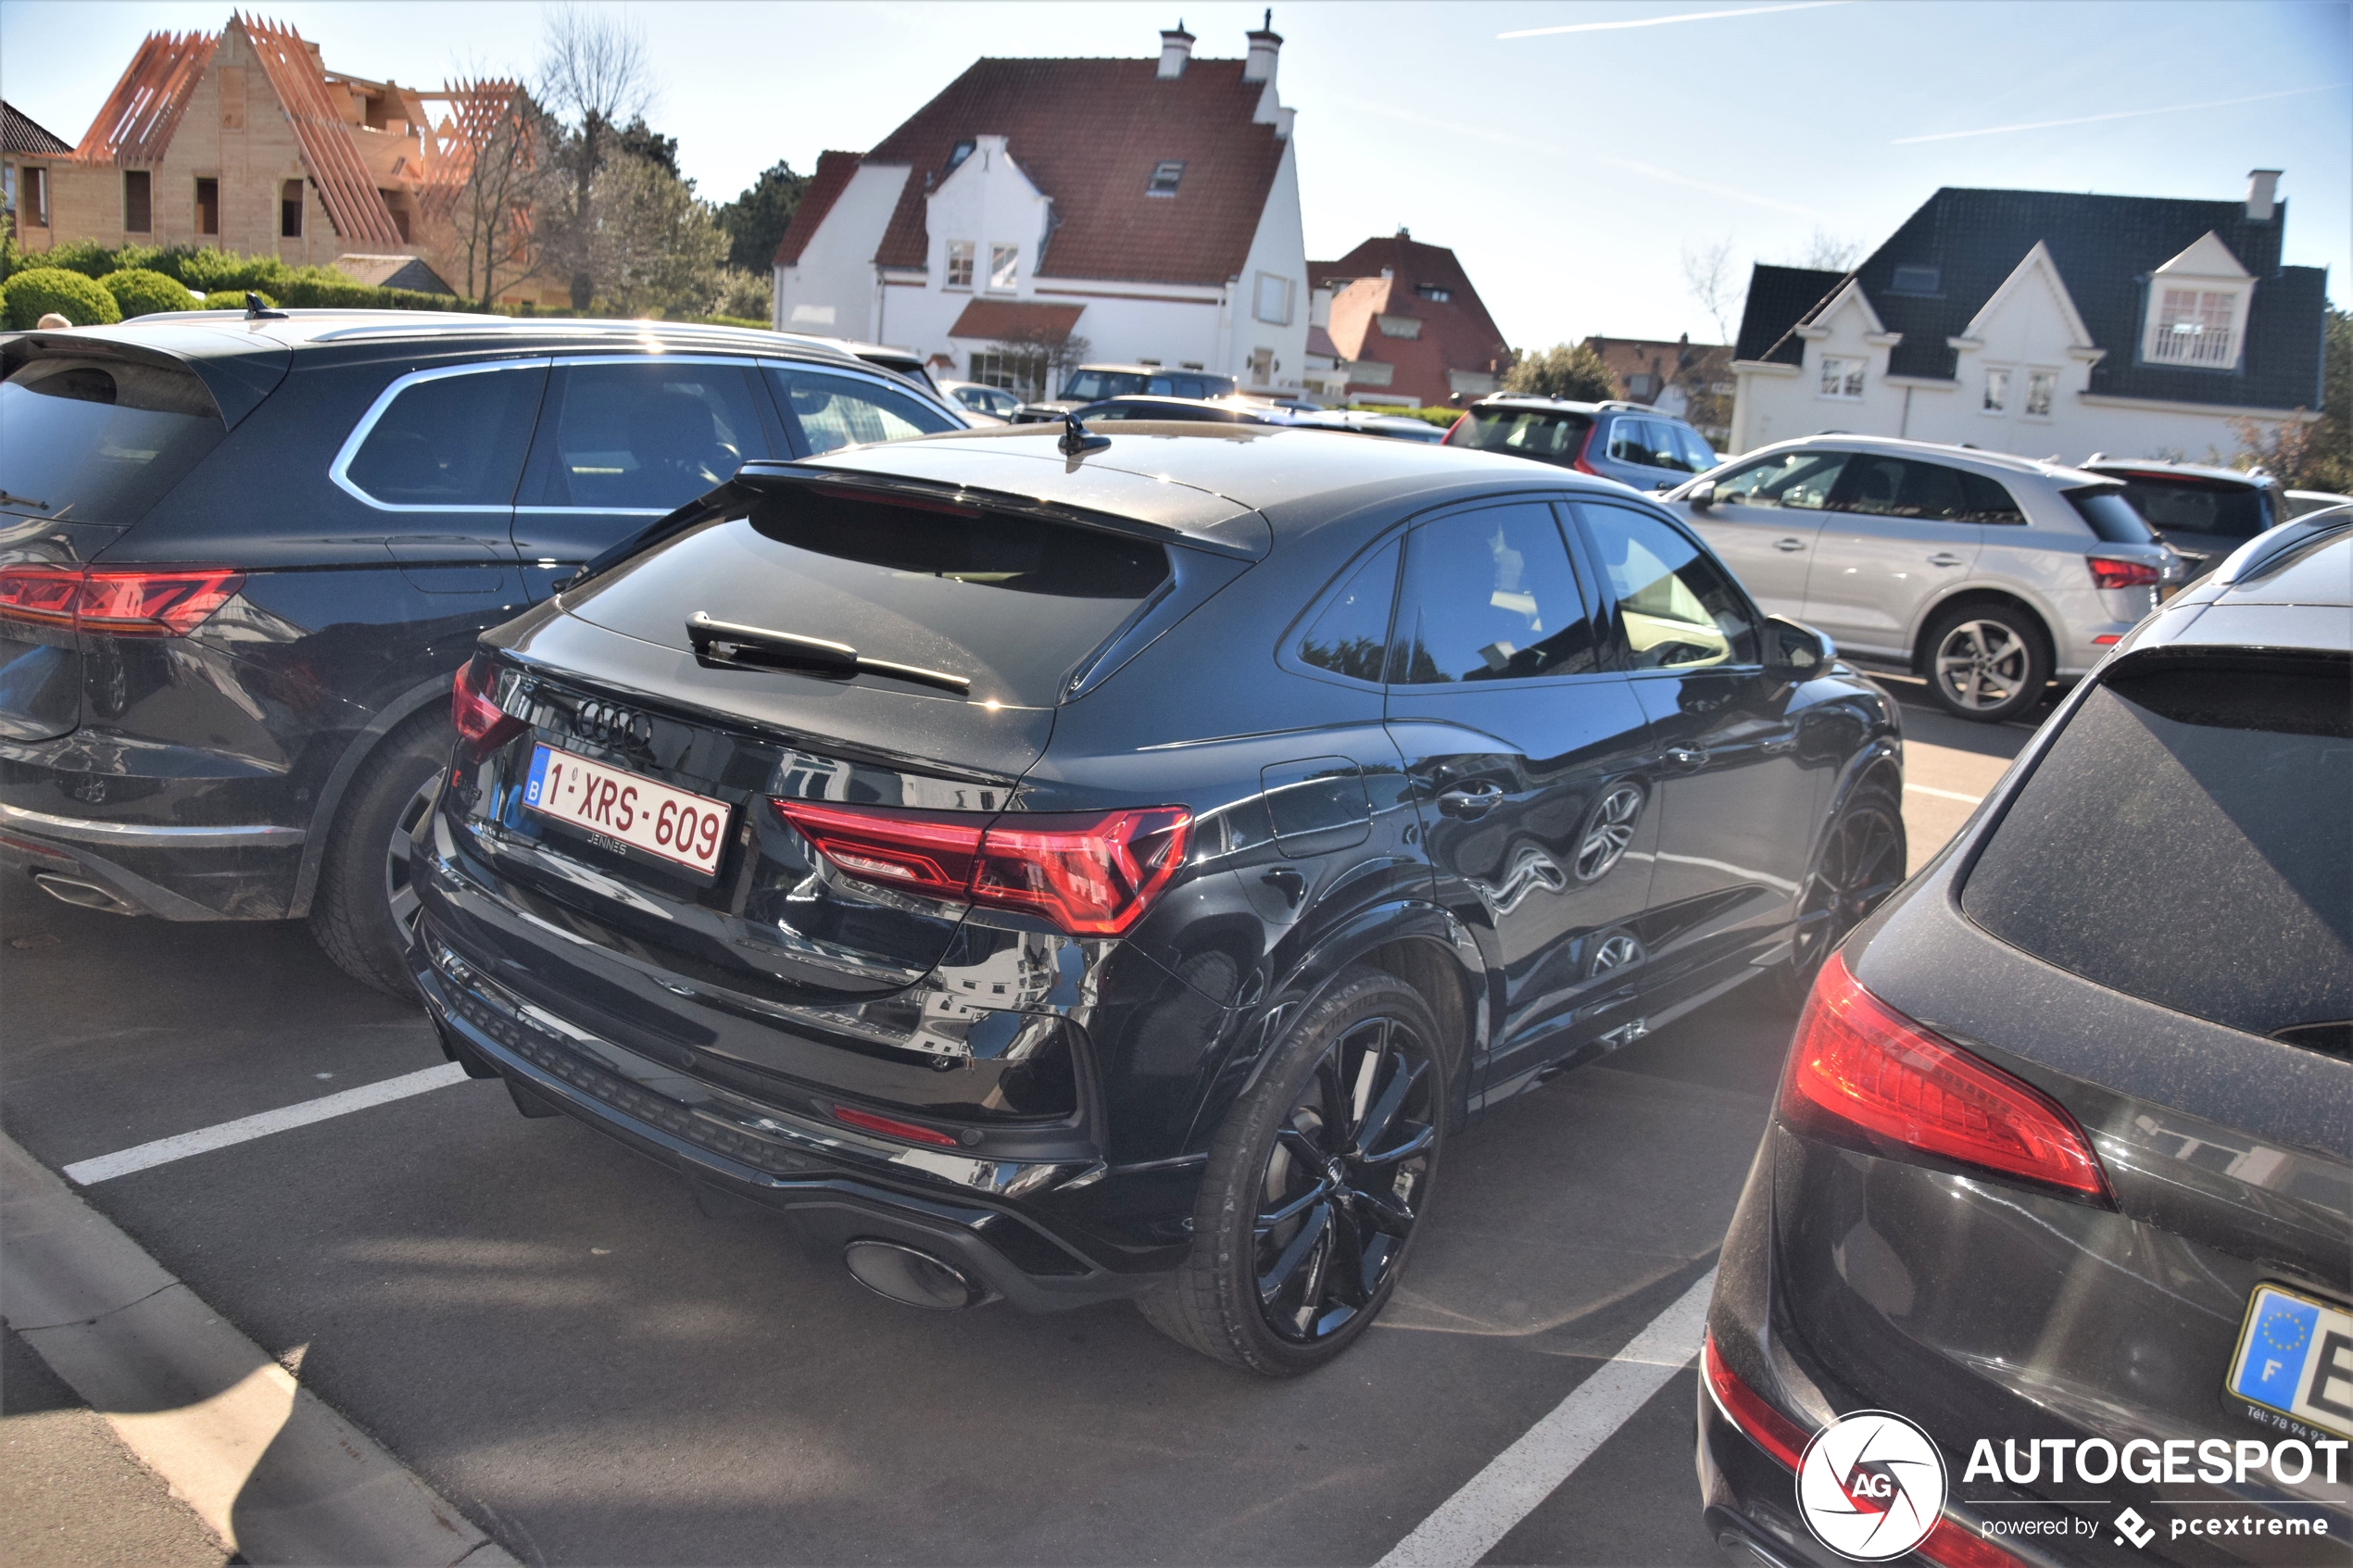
column 2120, row 114
column 1662, row 21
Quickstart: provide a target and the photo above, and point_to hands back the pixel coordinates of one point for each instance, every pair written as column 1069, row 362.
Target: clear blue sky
column 1568, row 170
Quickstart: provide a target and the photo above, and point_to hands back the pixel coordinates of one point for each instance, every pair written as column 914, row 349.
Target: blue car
column 1628, row 442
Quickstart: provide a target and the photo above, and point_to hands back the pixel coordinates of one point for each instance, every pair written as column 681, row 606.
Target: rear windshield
column 1555, row 436
column 2197, row 506
column 2110, row 516
column 2187, row 840
column 99, row 440
column 1089, row 386
column 1016, row 603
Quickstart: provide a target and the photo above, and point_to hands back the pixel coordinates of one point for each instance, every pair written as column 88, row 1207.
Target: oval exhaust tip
column 86, row 895
column 911, row 1277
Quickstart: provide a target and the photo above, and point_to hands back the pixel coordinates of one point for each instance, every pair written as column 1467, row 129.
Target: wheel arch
column 1979, row 593
column 362, row 746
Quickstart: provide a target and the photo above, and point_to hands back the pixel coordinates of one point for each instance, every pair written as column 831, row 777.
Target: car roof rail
column 2270, row 550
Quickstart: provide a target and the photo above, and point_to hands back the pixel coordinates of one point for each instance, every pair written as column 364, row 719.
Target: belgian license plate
column 607, row 803
column 2295, row 1357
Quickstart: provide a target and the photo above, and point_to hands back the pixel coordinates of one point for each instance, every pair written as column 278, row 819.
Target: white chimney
column 2262, row 188
column 1264, row 45
column 1175, row 49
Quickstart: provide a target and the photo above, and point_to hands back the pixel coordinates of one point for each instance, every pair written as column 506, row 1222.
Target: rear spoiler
column 239, row 374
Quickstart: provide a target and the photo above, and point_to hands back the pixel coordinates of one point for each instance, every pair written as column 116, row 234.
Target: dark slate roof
column 1778, row 298
column 20, row 134
column 2105, row 247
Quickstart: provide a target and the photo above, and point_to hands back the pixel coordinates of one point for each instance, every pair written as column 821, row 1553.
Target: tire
column 1987, row 662
column 365, row 910
column 1861, row 862
column 1285, row 1197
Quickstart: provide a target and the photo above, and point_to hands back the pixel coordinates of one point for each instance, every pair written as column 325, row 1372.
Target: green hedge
column 203, row 272
column 234, row 299
column 36, row 292
column 140, row 291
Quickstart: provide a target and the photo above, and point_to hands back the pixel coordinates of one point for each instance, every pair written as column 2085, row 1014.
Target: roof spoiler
column 238, row 379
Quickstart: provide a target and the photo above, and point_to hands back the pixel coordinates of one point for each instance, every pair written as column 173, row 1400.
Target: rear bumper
column 238, row 871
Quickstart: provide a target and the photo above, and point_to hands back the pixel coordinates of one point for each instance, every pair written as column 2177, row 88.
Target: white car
column 993, row 404
column 1990, row 575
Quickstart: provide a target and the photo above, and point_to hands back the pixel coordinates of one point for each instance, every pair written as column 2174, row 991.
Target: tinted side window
column 1351, row 637
column 452, row 441
column 2110, row 516
column 829, row 411
column 1697, row 455
column 2241, row 776
column 643, row 434
column 1900, row 487
column 1677, row 610
column 1491, row 596
column 1803, row 480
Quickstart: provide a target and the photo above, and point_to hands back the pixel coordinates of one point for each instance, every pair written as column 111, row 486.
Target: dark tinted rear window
column 2187, row 840
column 2111, row 517
column 1556, row 436
column 2192, row 506
column 94, row 440
column 1015, row 603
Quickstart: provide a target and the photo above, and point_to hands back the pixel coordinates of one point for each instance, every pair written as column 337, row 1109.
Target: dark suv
column 1066, row 867
column 241, row 559
column 1626, row 442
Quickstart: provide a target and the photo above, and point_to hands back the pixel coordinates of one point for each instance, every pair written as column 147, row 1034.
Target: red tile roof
column 1088, row 133
column 1009, row 320
column 825, row 186
column 1456, row 333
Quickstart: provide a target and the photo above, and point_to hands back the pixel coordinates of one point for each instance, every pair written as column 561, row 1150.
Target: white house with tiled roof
column 1150, row 208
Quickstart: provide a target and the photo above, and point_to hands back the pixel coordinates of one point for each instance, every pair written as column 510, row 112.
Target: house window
column 959, row 264
column 1261, row 366
column 1004, row 268
column 208, row 205
column 1997, row 393
column 1841, row 378
column 290, row 210
column 1433, row 292
column 1273, row 303
column 1165, row 177
column 2196, row 327
column 399, row 213
column 1914, row 280
column 2040, row 387
column 33, row 198
column 138, row 201
column 1019, row 372
column 1399, row 326
column 957, row 156
column 1370, row 373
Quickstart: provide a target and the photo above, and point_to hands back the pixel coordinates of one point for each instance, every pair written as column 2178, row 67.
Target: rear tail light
column 1090, row 873
column 1460, row 420
column 158, row 602
column 1585, row 450
column 481, row 726
column 2114, row 571
column 1859, row 1065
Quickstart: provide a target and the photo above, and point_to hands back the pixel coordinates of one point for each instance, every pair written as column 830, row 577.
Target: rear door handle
column 1471, row 800
column 1686, row 757
column 1945, row 558
column 1786, row 545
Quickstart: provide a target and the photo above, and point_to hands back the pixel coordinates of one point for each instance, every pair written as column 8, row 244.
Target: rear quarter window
column 2185, row 840
column 99, row 440
column 454, row 440
column 2111, row 517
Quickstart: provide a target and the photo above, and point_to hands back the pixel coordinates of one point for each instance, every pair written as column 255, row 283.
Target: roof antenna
column 257, row 311
column 1077, row 440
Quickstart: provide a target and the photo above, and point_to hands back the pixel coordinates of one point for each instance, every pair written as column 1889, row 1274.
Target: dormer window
column 1434, row 293
column 1166, row 175
column 957, row 156
column 1915, row 280
column 2197, row 309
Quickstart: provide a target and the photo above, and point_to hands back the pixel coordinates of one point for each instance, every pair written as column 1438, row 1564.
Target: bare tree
column 594, row 74
column 1708, row 272
column 489, row 212
column 1827, row 252
column 1042, row 355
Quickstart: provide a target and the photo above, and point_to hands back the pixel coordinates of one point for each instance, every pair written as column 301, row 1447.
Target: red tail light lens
column 891, row 1127
column 168, row 602
column 1090, row 874
column 1859, row 1063
column 481, row 726
column 1747, row 1408
column 1585, row 450
column 2113, row 572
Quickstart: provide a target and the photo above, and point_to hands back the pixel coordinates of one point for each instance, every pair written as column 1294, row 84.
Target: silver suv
column 1988, row 574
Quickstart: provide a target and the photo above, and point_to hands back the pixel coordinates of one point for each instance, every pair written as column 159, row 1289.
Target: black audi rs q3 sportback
column 2062, row 1167
column 1060, row 867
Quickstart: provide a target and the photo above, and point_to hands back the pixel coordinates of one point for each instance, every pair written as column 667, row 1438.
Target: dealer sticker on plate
column 686, row 829
column 2295, row 1357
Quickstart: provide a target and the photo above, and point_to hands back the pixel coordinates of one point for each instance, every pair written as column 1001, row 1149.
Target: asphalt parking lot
column 549, row 1331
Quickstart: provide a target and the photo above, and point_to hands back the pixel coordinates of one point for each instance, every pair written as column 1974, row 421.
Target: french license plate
column 2295, row 1357
column 686, row 829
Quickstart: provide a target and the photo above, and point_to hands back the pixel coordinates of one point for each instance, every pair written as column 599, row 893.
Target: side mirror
column 1701, row 496
column 1792, row 645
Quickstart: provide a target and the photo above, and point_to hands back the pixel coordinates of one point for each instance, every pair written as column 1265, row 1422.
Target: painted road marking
column 163, row 1151
column 1943, row 794
column 1467, row 1525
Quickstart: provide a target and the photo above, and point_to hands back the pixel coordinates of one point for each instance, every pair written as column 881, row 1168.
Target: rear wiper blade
column 719, row 645
column 10, row 498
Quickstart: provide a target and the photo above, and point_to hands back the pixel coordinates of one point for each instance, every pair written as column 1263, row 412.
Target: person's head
column 52, row 322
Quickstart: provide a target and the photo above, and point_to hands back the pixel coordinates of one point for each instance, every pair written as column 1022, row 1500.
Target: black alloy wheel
column 365, row 912
column 1861, row 862
column 1314, row 1185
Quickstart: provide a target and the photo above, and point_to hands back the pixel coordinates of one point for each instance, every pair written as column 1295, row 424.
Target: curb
column 270, row 1467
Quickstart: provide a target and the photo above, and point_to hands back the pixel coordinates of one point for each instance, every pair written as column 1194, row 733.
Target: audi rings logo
column 1871, row 1486
column 613, row 726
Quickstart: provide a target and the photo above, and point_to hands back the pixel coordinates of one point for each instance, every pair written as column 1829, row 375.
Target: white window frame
column 2042, row 385
column 1004, row 269
column 960, row 258
column 1279, row 286
column 1995, row 397
column 1173, row 168
column 2196, row 324
column 1841, row 378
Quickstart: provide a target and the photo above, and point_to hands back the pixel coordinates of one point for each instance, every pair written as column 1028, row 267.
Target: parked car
column 1092, row 384
column 1989, row 575
column 1628, row 442
column 1190, row 409
column 1396, row 427
column 994, row 402
column 2203, row 512
column 2062, row 1165
column 239, row 560
column 898, row 361
column 2304, row 502
column 1064, row 869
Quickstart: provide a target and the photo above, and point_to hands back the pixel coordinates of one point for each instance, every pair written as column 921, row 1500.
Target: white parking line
column 1467, row 1525
column 1943, row 794
column 163, row 1151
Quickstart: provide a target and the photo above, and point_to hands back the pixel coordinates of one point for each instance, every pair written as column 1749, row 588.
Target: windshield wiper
column 10, row 498
column 719, row 645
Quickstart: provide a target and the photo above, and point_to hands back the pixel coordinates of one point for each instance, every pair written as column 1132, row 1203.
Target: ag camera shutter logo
column 1871, row 1486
